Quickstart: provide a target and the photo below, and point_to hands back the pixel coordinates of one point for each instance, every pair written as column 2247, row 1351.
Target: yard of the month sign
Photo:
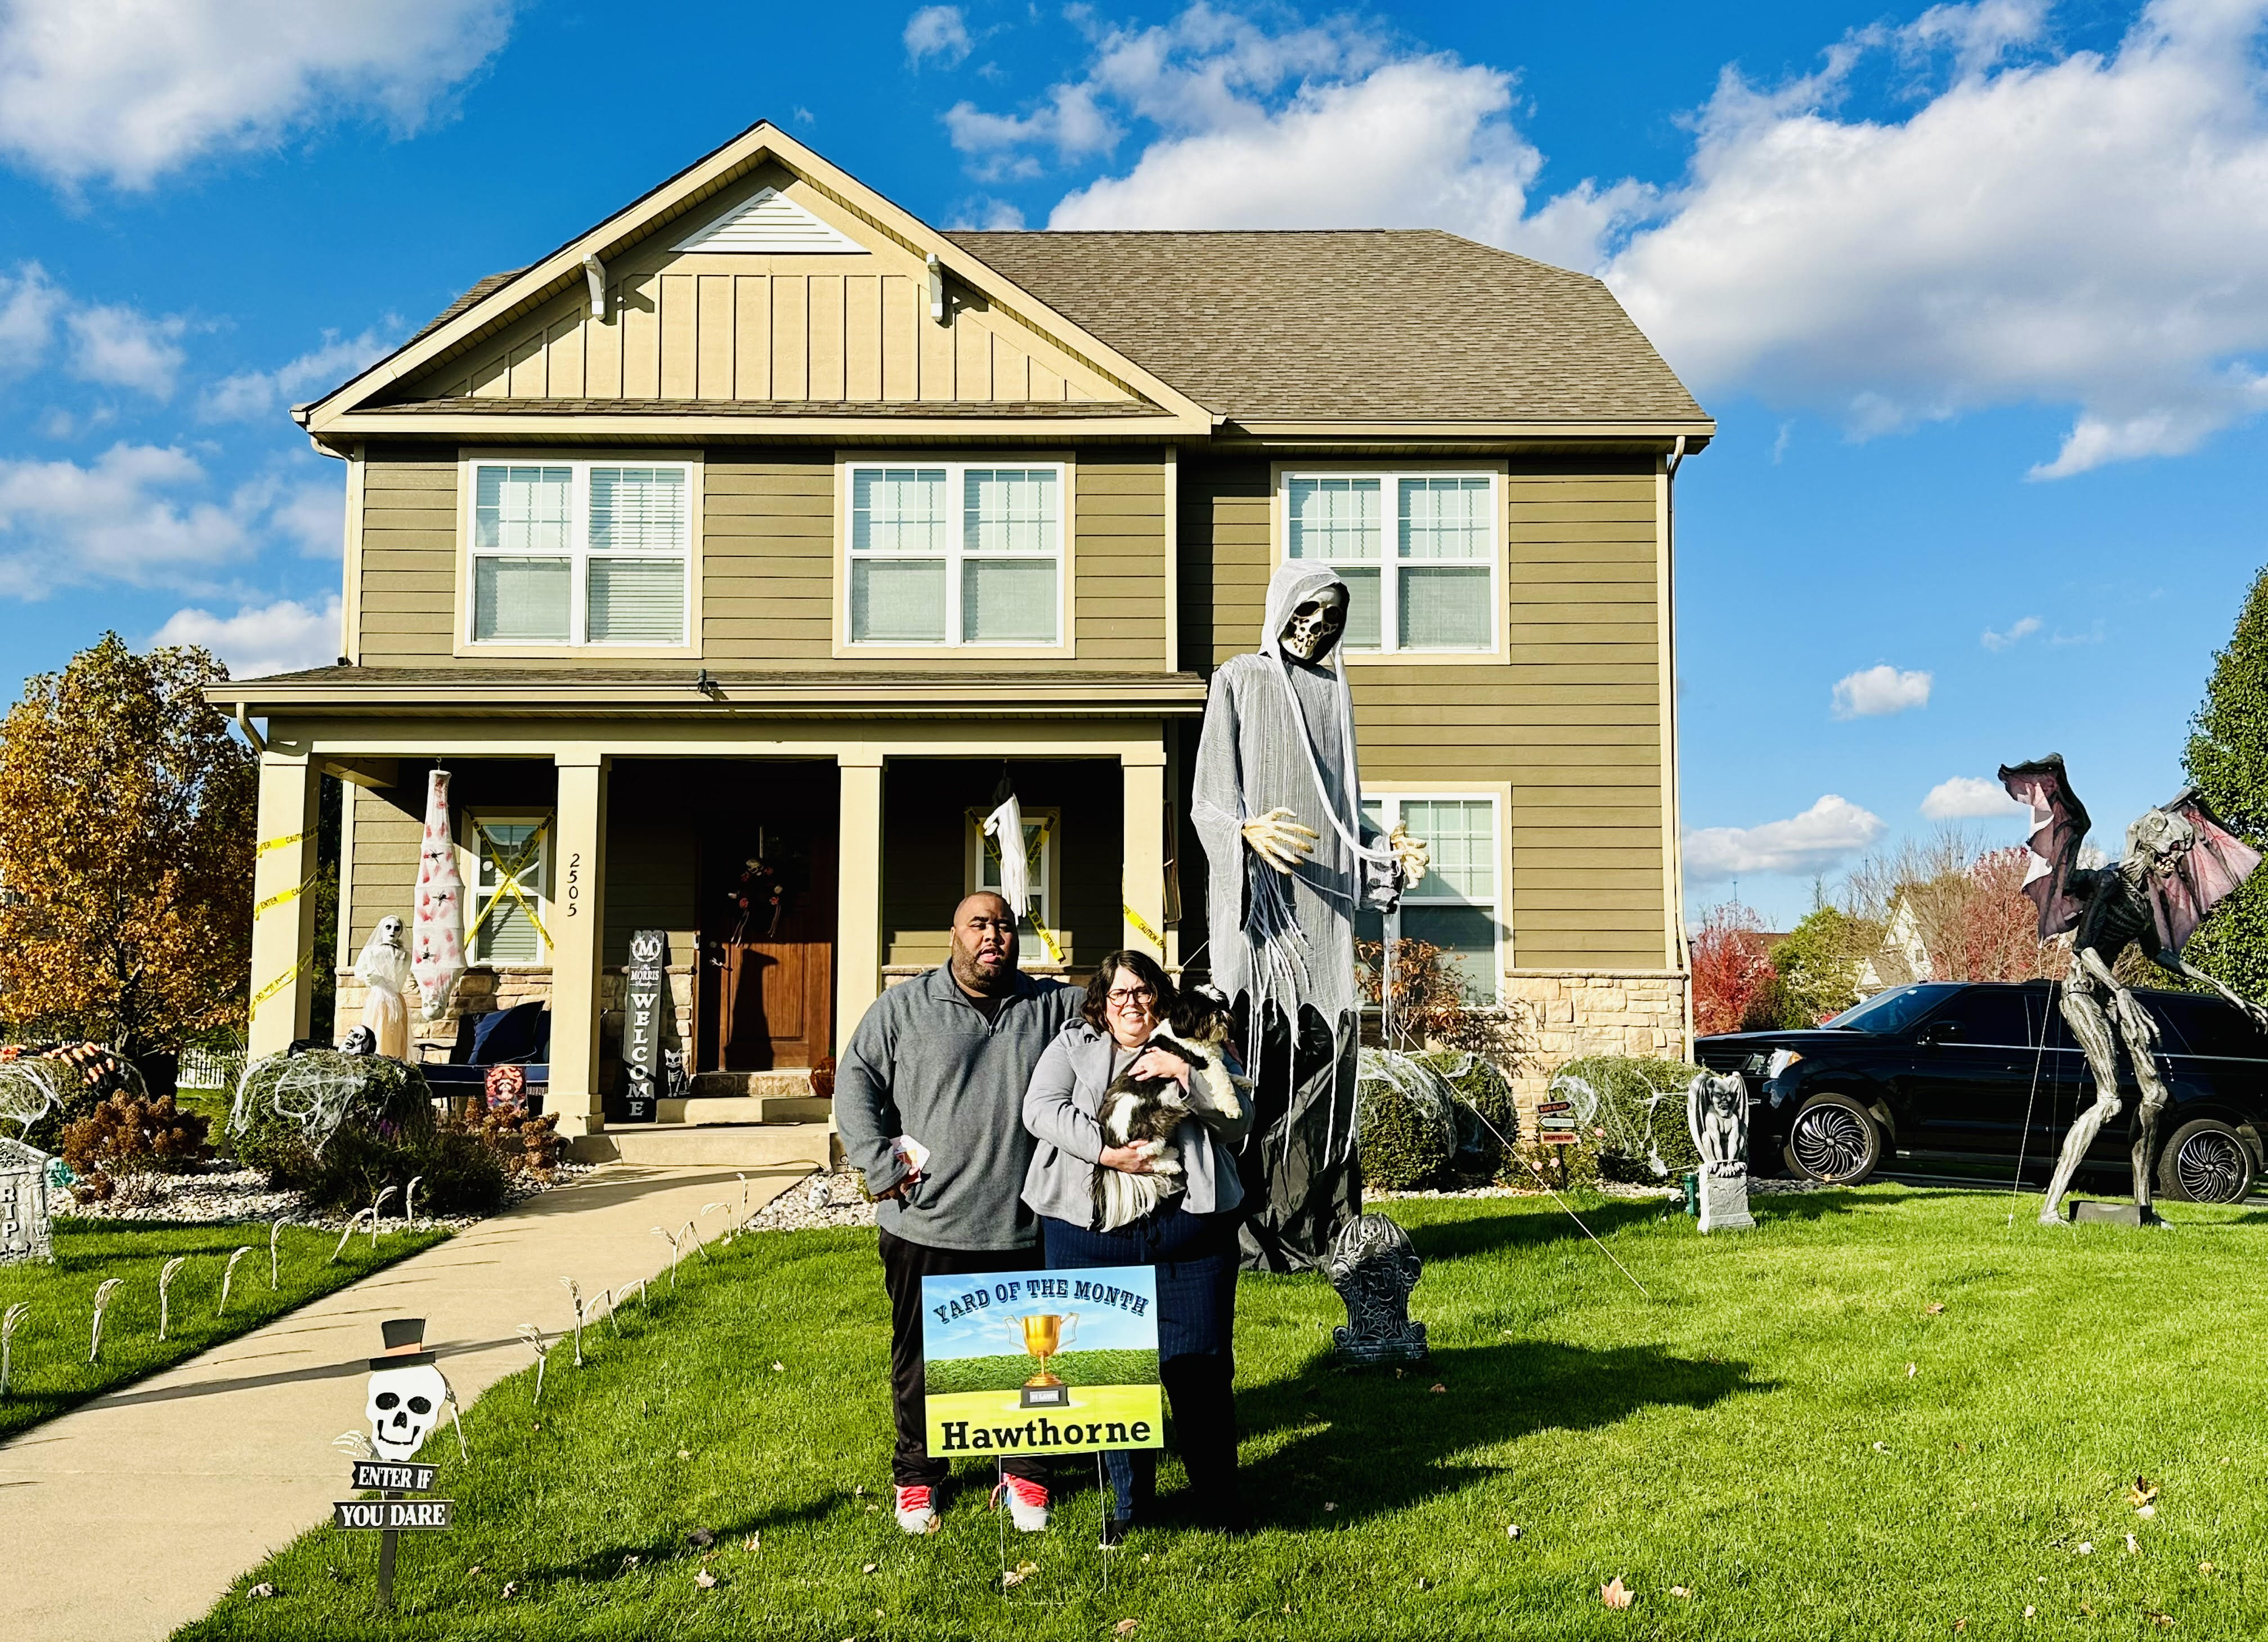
column 1556, row 1124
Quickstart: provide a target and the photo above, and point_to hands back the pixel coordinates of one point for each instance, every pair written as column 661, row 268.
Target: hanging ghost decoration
column 438, row 932
column 407, row 1391
column 384, row 968
column 1005, row 826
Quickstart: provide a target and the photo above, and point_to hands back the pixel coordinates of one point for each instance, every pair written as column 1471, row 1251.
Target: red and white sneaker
column 917, row 1510
column 1027, row 1503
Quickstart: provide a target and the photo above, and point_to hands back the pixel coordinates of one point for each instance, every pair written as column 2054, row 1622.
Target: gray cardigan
column 924, row 1062
column 1059, row 1107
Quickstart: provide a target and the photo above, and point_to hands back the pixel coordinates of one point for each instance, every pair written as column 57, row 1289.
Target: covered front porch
column 795, row 866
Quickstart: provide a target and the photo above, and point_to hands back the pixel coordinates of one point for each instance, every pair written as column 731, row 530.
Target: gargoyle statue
column 2181, row 862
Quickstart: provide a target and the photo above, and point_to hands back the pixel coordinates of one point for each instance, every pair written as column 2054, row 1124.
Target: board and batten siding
column 769, row 536
column 1572, row 722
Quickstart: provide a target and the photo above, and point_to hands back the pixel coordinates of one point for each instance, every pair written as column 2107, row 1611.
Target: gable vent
column 769, row 221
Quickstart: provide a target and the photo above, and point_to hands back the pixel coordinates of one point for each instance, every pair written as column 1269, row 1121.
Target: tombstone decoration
column 1374, row 1266
column 27, row 1226
column 1290, row 862
column 1717, row 1116
column 403, row 1404
column 645, row 989
column 2181, row 862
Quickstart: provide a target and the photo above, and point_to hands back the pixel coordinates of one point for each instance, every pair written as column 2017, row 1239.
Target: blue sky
column 1979, row 294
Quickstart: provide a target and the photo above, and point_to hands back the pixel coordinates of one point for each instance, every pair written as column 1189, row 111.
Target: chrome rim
column 2211, row 1166
column 1830, row 1143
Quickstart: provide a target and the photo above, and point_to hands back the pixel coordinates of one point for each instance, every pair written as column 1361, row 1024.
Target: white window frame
column 1390, row 564
column 1043, row 885
column 577, row 554
column 468, row 870
column 1390, row 798
column 955, row 556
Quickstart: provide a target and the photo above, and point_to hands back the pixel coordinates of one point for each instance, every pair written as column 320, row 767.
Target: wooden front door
column 768, row 973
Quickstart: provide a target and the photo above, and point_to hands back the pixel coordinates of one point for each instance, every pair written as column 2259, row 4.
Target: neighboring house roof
column 1336, row 325
column 480, row 290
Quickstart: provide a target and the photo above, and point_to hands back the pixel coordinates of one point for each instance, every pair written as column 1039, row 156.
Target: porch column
column 577, row 905
column 858, row 891
column 1142, row 773
column 284, row 955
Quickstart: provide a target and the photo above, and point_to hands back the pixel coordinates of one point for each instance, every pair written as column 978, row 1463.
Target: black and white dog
column 1144, row 1112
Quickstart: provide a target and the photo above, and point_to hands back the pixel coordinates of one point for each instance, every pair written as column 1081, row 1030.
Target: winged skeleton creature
column 2181, row 862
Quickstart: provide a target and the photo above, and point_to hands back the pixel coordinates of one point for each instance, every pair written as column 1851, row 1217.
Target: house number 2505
column 575, row 885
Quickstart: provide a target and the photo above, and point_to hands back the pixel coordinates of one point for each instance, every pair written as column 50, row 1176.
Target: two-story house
column 729, row 554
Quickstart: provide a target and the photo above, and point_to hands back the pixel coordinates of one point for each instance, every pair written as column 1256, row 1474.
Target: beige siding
column 851, row 328
column 1572, row 723
column 768, row 564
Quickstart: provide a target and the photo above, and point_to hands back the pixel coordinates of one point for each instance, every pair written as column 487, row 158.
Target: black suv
column 1969, row 1074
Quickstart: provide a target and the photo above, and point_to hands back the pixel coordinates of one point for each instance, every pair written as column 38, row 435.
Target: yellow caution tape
column 509, row 867
column 292, row 893
column 281, row 844
column 1143, row 924
column 278, row 983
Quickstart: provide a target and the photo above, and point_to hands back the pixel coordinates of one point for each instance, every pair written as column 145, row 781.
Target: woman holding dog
column 1189, row 1236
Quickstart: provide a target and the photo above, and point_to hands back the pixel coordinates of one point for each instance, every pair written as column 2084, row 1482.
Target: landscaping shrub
column 1404, row 1119
column 1481, row 1091
column 387, row 1134
column 525, row 1147
column 1633, row 1113
column 127, row 1139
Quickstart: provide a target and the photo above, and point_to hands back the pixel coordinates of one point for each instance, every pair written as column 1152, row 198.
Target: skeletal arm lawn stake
column 10, row 1322
column 274, row 1280
column 228, row 1276
column 103, row 1290
column 2181, row 862
column 575, row 1296
column 1289, row 863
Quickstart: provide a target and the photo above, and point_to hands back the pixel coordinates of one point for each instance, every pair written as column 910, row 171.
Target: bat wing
column 2202, row 876
column 2059, row 822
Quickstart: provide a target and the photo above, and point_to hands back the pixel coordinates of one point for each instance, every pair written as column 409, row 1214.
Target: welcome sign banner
column 1042, row 1362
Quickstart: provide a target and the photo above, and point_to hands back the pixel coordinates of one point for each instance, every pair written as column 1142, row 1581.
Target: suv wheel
column 2205, row 1161
column 1833, row 1139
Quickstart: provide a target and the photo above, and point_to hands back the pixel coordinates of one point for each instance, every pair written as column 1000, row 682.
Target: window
column 506, row 917
column 954, row 554
column 576, row 553
column 1457, row 908
column 1039, row 857
column 1418, row 552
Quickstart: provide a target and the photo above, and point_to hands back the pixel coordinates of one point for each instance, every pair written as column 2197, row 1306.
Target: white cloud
column 125, row 348
column 1877, row 691
column 29, row 306
column 279, row 637
column 314, row 516
column 132, row 515
column 939, row 31
column 251, row 394
column 2020, row 630
column 129, row 90
column 2040, row 227
column 1969, row 798
column 1829, row 832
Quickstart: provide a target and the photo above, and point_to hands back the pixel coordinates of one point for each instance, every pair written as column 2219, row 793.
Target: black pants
column 904, row 1265
column 1196, row 1258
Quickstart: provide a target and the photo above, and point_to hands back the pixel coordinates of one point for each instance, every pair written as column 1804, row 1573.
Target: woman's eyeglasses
column 1127, row 998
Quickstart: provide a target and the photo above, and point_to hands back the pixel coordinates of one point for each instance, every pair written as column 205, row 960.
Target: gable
column 767, row 220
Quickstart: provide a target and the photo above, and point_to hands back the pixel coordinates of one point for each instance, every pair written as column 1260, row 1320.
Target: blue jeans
column 1196, row 1258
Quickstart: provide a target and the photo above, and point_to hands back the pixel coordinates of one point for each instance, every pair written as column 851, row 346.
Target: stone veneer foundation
column 1579, row 1013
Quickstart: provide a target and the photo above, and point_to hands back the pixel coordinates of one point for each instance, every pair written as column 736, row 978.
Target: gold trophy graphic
column 1045, row 1333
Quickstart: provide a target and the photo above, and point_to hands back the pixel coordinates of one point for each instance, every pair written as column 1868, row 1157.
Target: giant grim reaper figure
column 1290, row 861
column 2181, row 862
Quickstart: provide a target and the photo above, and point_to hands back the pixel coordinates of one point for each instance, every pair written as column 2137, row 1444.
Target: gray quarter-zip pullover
column 925, row 1062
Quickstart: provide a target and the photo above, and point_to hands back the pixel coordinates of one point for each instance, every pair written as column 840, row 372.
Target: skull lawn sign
column 407, row 1391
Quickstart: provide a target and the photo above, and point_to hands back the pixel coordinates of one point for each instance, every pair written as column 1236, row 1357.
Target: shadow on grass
column 603, row 1567
column 1817, row 1205
column 1492, row 1233
column 1375, row 1444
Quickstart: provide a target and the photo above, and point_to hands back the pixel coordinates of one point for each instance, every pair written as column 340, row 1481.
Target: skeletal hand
column 1416, row 855
column 2133, row 1019
column 1278, row 839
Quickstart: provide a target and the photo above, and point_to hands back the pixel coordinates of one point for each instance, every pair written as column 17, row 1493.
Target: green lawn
column 50, row 1372
column 1787, row 1429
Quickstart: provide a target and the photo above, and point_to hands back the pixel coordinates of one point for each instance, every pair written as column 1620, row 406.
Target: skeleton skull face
column 388, row 932
column 359, row 1041
column 404, row 1405
column 1315, row 625
column 2159, row 838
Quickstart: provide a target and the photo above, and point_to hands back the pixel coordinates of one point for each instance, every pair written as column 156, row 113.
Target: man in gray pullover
column 944, row 1059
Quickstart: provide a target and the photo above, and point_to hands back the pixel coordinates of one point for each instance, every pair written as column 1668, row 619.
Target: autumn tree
column 126, row 841
column 1731, row 972
column 1818, row 964
column 2227, row 759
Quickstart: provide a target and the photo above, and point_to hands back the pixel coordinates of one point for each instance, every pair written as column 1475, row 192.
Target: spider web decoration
column 30, row 1089
column 1633, row 1136
column 307, row 1094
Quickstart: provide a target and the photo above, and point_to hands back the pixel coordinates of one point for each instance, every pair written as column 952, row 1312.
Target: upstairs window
column 581, row 553
column 955, row 554
column 1418, row 552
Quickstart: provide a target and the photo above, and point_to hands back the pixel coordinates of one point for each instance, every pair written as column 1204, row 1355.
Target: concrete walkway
column 128, row 1518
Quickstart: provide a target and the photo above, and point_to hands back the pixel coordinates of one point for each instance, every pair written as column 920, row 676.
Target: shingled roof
column 480, row 288
column 1338, row 325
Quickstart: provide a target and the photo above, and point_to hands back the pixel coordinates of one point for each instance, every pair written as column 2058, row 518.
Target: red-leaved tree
column 1730, row 969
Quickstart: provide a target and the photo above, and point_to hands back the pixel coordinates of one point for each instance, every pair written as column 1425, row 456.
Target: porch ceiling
column 462, row 692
